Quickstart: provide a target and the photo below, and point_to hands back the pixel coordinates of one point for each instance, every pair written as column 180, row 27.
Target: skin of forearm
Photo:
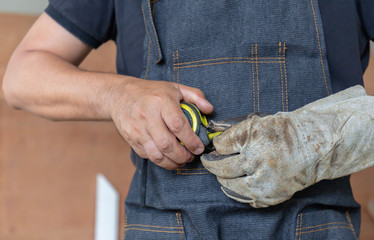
column 43, row 84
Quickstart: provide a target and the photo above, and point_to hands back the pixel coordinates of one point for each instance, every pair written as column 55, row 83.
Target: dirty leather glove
column 263, row 161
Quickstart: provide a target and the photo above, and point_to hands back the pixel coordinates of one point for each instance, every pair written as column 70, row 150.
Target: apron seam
column 350, row 224
column 281, row 74
column 285, row 73
column 149, row 44
column 319, row 46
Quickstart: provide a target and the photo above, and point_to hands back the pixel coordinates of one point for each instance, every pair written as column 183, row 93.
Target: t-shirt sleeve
column 92, row 21
column 367, row 17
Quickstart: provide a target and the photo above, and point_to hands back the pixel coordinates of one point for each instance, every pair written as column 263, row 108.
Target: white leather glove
column 263, row 161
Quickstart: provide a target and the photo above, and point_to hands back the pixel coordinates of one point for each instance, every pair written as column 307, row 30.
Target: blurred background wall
column 23, row 6
column 48, row 169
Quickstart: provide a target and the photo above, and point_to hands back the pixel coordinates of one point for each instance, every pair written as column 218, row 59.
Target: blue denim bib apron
column 246, row 56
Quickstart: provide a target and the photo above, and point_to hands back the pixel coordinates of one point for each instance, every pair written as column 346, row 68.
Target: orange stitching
column 124, row 225
column 297, row 223
column 258, row 87
column 152, row 226
column 173, row 67
column 152, row 230
column 149, row 44
column 227, row 58
column 149, row 53
column 319, row 46
column 281, row 72
column 319, row 225
column 178, row 67
column 154, row 32
column 322, row 229
column 154, row 7
column 301, row 222
column 285, row 74
column 350, row 223
column 216, row 63
column 253, row 82
column 180, row 235
column 179, row 220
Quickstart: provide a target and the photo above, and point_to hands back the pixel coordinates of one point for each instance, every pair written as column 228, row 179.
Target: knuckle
column 157, row 158
column 165, row 146
column 176, row 124
column 199, row 93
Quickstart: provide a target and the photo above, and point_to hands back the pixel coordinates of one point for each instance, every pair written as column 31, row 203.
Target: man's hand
column 264, row 161
column 148, row 116
column 43, row 78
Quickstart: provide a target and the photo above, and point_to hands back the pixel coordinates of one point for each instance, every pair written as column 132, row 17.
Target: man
column 238, row 56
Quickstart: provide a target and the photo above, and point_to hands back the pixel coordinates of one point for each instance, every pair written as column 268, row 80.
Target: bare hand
column 148, row 116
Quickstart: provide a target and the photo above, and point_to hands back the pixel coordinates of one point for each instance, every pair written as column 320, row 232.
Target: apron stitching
column 154, row 7
column 180, row 225
column 285, row 73
column 258, row 87
column 350, row 223
column 319, row 225
column 217, row 63
column 319, row 46
column 232, row 58
column 178, row 67
column 124, row 226
column 154, row 33
column 281, row 73
column 149, row 44
column 173, row 66
column 152, row 230
column 322, row 229
column 300, row 224
column 253, row 82
column 151, row 226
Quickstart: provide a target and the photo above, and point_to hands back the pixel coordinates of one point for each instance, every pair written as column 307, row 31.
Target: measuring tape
column 198, row 123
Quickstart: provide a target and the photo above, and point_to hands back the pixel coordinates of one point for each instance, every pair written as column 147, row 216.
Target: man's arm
column 43, row 78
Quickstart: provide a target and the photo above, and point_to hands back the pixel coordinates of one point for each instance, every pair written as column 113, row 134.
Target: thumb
column 195, row 96
column 232, row 140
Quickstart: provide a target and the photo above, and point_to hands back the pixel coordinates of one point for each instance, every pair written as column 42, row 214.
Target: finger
column 223, row 125
column 167, row 143
column 239, row 190
column 158, row 158
column 247, row 187
column 232, row 140
column 236, row 196
column 229, row 166
column 179, row 126
column 195, row 96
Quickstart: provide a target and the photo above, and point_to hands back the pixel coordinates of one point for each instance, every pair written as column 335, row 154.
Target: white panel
column 34, row 7
column 107, row 210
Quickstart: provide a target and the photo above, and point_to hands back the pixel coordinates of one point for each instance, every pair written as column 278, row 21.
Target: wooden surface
column 48, row 169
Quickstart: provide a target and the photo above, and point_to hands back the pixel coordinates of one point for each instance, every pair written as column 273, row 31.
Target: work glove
column 263, row 161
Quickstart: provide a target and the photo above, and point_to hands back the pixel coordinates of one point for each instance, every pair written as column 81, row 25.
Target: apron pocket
column 237, row 80
column 150, row 223
column 325, row 224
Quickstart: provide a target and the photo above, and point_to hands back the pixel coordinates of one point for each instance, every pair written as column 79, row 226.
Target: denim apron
column 246, row 56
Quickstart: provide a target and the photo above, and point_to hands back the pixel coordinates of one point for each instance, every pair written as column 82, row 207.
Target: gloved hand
column 263, row 161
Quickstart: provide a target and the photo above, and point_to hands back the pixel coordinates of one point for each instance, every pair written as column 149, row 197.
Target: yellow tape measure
column 198, row 123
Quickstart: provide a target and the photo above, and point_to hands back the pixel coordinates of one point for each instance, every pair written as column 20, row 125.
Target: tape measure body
column 198, row 122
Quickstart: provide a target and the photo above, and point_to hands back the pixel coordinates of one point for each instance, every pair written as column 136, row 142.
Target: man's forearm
column 46, row 85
